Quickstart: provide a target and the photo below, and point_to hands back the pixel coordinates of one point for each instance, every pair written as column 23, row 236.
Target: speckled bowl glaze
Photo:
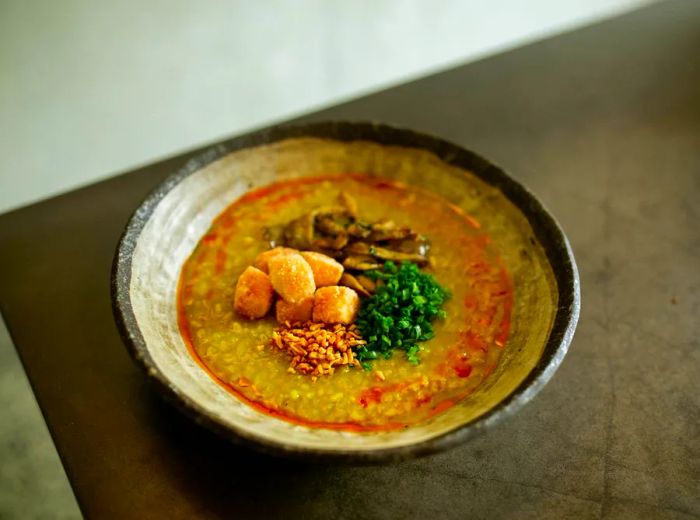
column 167, row 226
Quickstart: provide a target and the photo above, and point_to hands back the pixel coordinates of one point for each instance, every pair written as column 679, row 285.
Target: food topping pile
column 337, row 232
column 327, row 269
column 319, row 348
column 400, row 314
column 304, row 285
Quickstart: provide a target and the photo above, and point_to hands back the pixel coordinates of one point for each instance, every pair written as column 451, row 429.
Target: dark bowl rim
column 545, row 227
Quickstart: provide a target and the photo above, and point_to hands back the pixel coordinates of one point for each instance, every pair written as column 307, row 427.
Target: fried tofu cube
column 335, row 304
column 262, row 262
column 291, row 277
column 326, row 270
column 294, row 312
column 253, row 296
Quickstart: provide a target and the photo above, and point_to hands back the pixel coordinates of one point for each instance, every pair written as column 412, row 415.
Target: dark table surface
column 604, row 124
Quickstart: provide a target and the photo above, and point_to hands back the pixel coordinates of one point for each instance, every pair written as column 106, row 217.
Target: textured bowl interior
column 179, row 214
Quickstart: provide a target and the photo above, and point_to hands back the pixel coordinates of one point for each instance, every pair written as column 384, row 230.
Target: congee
column 348, row 303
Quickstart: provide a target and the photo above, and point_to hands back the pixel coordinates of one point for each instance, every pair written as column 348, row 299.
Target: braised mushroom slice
column 328, row 226
column 360, row 263
column 418, row 245
column 359, row 230
column 359, row 248
column 337, row 213
column 397, row 256
column 299, row 233
column 329, row 243
column 366, row 282
column 386, row 230
column 349, row 280
column 391, row 234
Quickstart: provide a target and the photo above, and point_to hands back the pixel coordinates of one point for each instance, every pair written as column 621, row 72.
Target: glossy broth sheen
column 237, row 352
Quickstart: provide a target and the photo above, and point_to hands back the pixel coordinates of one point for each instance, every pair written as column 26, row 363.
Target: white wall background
column 90, row 87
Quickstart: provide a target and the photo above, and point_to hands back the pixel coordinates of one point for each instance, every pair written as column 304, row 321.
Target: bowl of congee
column 347, row 290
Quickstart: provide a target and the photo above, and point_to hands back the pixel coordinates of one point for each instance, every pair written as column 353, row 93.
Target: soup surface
column 393, row 393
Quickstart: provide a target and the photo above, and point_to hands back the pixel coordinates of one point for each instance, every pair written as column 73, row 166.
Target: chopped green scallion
column 400, row 314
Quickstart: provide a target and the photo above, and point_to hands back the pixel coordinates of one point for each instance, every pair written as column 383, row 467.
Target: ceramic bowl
column 164, row 230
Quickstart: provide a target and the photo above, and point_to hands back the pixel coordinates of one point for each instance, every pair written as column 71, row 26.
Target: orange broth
column 237, row 352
